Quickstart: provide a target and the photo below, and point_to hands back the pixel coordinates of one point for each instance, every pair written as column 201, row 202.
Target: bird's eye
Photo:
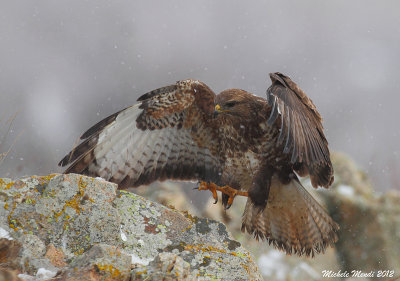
column 230, row 104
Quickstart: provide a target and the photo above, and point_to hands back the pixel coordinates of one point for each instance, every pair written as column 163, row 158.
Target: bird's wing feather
column 301, row 131
column 292, row 220
column 166, row 136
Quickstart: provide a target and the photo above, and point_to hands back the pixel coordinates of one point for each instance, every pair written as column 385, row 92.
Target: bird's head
column 234, row 102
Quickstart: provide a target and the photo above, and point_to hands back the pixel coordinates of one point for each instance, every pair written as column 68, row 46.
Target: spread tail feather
column 292, row 221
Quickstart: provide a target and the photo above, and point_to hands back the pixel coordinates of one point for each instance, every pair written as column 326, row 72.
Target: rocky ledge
column 72, row 227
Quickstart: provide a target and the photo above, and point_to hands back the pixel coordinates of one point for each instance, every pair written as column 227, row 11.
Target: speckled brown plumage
column 249, row 143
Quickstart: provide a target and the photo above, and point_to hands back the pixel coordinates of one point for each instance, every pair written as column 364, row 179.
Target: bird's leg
column 231, row 192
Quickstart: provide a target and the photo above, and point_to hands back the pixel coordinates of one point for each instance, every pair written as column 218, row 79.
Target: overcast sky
column 64, row 65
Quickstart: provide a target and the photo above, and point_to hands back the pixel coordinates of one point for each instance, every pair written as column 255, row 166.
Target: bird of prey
column 233, row 142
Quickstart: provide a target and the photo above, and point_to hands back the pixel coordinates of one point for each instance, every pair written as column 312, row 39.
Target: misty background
column 64, row 65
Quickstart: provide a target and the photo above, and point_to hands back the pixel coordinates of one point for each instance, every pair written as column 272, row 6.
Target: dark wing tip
column 90, row 138
column 100, row 125
column 277, row 76
column 321, row 174
column 64, row 162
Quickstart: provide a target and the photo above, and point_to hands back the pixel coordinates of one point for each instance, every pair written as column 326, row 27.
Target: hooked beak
column 217, row 110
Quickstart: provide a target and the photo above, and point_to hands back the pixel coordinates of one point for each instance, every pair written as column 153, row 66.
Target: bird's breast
column 240, row 168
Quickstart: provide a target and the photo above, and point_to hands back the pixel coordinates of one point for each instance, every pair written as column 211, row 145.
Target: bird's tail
column 292, row 220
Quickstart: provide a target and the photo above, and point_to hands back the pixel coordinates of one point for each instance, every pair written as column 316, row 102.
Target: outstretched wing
column 168, row 135
column 301, row 131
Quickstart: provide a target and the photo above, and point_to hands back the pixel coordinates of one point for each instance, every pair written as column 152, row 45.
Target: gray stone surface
column 72, row 227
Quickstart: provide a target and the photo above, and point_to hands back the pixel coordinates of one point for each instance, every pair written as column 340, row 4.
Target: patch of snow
column 41, row 275
column 123, row 235
column 272, row 264
column 64, row 243
column 44, row 274
column 100, row 179
column 345, row 190
column 138, row 260
column 26, row 277
column 5, row 234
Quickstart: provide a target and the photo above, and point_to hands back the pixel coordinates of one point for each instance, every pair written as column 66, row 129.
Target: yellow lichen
column 109, row 268
column 12, row 223
column 203, row 249
column 75, row 201
column 190, row 217
column 4, row 185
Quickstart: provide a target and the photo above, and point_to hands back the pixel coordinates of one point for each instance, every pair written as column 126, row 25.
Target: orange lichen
column 5, row 185
column 210, row 249
column 12, row 223
column 190, row 217
column 75, row 201
column 44, row 179
column 109, row 268
column 201, row 248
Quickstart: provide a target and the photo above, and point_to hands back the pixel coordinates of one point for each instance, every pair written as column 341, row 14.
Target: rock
column 72, row 227
column 170, row 194
column 348, row 174
column 369, row 238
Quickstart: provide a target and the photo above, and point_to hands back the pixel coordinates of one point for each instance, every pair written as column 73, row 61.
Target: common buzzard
column 233, row 142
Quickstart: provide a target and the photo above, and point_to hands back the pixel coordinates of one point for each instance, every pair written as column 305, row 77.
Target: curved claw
column 211, row 187
column 216, row 200
column 227, row 206
column 231, row 192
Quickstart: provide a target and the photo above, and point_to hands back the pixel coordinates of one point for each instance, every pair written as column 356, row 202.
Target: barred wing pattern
column 292, row 220
column 301, row 130
column 163, row 137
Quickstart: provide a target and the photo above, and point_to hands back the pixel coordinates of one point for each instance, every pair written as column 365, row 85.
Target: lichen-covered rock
column 169, row 193
column 72, row 227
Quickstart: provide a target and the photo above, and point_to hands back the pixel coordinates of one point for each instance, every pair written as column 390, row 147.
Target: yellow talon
column 231, row 192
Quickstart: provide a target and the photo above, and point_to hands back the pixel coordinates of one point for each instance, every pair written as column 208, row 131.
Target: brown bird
column 234, row 142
